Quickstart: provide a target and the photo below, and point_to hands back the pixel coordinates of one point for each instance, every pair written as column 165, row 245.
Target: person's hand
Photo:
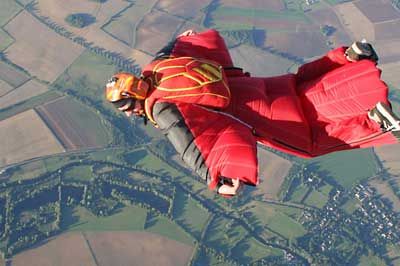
column 230, row 188
column 361, row 50
column 187, row 33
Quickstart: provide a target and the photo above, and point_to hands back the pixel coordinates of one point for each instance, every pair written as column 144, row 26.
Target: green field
column 5, row 40
column 8, row 9
column 87, row 76
column 299, row 193
column 350, row 206
column 124, row 26
column 316, row 199
column 130, row 218
column 348, row 168
column 169, row 229
column 80, row 173
column 189, row 213
column 251, row 250
column 279, row 219
column 223, row 235
column 150, row 162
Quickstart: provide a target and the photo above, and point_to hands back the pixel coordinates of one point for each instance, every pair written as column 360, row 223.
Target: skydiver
column 214, row 113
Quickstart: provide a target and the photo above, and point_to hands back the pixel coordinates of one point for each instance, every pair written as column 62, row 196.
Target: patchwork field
column 12, row 76
column 57, row 10
column 28, row 90
column 75, row 125
column 272, row 172
column 156, row 30
column 64, row 250
column 4, row 88
column 18, row 143
column 5, row 40
column 327, row 16
column 106, row 248
column 377, row 11
column 124, row 26
column 355, row 22
column 8, row 9
column 35, row 53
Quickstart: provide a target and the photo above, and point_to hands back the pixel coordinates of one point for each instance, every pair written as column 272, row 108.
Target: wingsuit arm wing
column 210, row 143
column 314, row 69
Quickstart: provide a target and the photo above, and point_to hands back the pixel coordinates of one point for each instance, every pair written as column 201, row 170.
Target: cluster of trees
column 80, row 20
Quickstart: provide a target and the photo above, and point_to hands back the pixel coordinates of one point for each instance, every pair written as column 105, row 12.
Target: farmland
column 119, row 195
column 17, row 142
column 74, row 124
column 156, row 30
column 272, row 171
column 24, row 92
column 26, row 55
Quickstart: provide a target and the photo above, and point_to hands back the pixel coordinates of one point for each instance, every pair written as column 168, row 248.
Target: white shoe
column 383, row 115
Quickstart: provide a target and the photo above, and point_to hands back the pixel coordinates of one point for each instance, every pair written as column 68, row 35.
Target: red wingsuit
column 321, row 109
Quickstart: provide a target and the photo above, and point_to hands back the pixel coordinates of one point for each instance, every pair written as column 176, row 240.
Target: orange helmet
column 125, row 85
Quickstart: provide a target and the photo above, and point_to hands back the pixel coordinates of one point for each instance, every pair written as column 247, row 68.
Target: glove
column 361, row 50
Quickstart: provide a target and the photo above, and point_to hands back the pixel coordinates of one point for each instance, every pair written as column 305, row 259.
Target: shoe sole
column 387, row 113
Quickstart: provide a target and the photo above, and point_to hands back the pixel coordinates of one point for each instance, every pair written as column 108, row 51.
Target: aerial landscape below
column 82, row 184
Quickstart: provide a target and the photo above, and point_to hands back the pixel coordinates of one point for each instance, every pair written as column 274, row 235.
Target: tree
column 80, row 20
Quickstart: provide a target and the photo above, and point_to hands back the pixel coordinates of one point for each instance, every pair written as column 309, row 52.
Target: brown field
column 273, row 25
column 357, row 25
column 389, row 156
column 188, row 9
column 384, row 189
column 57, row 10
column 272, row 172
column 4, row 88
column 138, row 248
column 22, row 93
column 65, row 118
column 387, row 50
column 328, row 17
column 302, row 43
column 107, row 248
column 18, row 143
column 390, row 72
column 33, row 51
column 388, row 30
column 12, row 76
column 273, row 5
column 258, row 62
column 156, row 30
column 64, row 250
column 377, row 10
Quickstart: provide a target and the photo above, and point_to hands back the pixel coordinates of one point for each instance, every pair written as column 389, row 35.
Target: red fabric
column 321, row 109
column 228, row 147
